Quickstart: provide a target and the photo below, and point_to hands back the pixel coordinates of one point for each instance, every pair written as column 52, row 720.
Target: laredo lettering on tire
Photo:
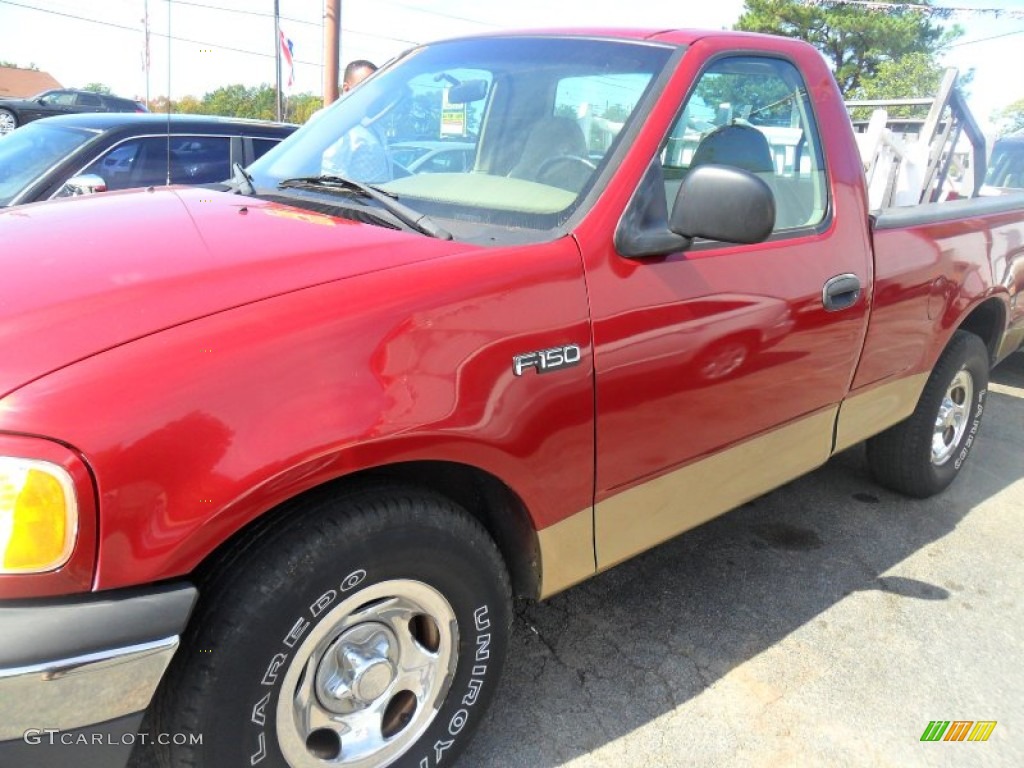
column 361, row 632
column 923, row 454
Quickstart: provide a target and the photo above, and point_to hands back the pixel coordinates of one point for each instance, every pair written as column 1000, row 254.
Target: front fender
column 195, row 432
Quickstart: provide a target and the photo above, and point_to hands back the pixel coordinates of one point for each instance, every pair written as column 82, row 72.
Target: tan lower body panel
column 566, row 552
column 648, row 514
column 1011, row 343
column 867, row 414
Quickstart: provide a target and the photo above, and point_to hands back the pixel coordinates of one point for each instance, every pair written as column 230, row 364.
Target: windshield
column 498, row 138
column 27, row 153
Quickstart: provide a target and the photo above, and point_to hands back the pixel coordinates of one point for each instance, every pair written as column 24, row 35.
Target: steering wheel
column 552, row 161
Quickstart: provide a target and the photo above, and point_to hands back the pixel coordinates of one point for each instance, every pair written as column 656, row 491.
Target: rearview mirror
column 720, row 202
column 467, row 91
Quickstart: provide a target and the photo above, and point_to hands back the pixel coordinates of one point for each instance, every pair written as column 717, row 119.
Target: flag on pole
column 286, row 52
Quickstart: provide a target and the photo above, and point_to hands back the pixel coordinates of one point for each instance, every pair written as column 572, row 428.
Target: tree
column 97, row 88
column 1010, row 118
column 188, row 105
column 914, row 75
column 301, row 107
column 867, row 48
column 239, row 101
column 12, row 65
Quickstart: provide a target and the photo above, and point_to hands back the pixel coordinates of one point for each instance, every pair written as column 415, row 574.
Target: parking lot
column 826, row 623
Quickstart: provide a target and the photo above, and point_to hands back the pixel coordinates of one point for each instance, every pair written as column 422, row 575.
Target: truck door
column 719, row 368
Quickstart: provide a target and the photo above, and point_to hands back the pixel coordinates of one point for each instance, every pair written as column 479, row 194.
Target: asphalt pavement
column 825, row 624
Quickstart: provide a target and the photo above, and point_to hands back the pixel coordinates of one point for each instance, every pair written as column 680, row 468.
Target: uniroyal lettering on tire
column 368, row 631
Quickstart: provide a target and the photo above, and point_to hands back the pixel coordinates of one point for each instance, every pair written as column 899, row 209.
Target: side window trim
column 806, row 108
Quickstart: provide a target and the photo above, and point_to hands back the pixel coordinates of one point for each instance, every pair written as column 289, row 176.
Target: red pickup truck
column 275, row 459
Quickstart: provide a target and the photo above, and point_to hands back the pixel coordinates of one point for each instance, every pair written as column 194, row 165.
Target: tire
column 923, row 454
column 385, row 613
column 8, row 121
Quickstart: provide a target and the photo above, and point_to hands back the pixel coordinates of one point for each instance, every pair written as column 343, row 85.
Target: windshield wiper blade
column 244, row 184
column 408, row 216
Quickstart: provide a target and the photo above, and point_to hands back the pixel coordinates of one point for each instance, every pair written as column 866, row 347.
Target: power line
column 267, row 15
column 443, row 14
column 242, row 11
column 70, row 16
column 115, row 25
column 939, row 11
column 203, row 43
column 986, row 39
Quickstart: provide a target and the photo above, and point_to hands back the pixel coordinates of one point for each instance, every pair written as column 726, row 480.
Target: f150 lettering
column 547, row 360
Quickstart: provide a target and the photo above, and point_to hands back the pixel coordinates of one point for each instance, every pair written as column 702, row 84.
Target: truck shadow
column 613, row 654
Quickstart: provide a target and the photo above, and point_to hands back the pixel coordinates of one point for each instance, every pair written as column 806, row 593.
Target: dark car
column 15, row 112
column 119, row 151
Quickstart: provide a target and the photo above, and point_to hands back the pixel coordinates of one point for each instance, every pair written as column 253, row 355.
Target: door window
column 60, row 98
column 753, row 113
column 144, row 162
column 260, row 147
column 87, row 100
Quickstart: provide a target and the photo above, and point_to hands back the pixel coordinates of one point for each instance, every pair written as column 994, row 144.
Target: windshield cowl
column 406, row 216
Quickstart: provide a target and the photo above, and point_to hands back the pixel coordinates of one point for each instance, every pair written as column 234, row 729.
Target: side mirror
column 86, row 184
column 719, row 202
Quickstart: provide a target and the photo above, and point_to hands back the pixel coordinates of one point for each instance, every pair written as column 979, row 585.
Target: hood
column 83, row 275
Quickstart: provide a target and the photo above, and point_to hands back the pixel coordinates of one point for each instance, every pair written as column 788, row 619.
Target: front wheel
column 363, row 632
column 923, row 454
column 8, row 121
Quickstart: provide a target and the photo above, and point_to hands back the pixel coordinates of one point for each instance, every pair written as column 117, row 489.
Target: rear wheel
column 8, row 121
column 923, row 454
column 363, row 632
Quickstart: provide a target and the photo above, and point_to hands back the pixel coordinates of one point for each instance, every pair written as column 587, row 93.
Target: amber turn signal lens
column 38, row 516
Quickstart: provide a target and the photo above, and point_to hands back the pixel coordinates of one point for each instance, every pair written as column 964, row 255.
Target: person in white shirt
column 361, row 153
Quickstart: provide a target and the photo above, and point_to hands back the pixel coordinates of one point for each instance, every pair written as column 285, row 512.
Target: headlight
column 38, row 516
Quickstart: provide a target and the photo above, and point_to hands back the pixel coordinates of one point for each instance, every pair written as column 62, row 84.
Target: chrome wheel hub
column 357, row 668
column 368, row 681
column 953, row 417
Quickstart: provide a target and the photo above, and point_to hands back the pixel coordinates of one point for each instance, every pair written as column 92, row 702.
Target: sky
column 221, row 42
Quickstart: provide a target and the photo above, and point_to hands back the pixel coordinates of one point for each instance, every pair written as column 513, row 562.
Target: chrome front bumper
column 70, row 693
column 76, row 663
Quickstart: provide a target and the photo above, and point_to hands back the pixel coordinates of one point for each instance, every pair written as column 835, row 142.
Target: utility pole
column 332, row 49
column 277, row 57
